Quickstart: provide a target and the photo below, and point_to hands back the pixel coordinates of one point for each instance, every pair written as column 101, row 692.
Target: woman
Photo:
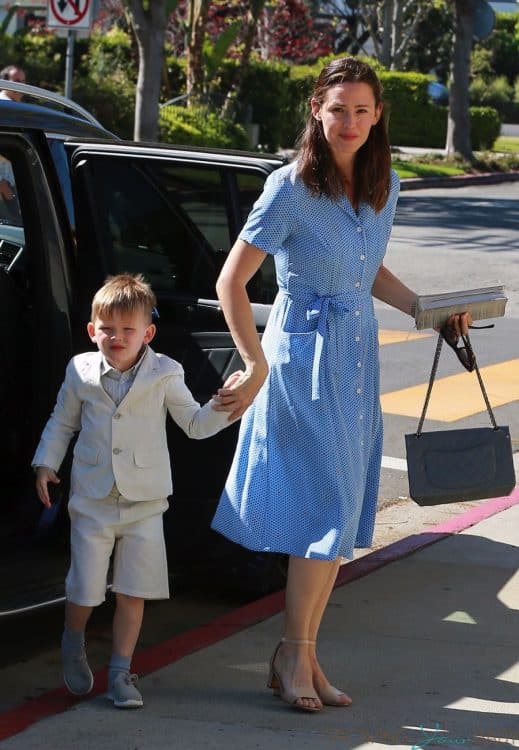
column 305, row 476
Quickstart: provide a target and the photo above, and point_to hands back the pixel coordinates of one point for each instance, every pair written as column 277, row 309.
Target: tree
column 282, row 29
column 286, row 30
column 148, row 19
column 197, row 22
column 381, row 28
column 458, row 123
column 251, row 23
column 431, row 46
column 398, row 20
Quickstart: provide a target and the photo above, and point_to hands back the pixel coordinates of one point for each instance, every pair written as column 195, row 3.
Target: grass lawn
column 506, row 144
column 406, row 169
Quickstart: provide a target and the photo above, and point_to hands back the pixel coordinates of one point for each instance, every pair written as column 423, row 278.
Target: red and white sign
column 69, row 14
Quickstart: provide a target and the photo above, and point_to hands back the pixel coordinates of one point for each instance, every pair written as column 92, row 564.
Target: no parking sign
column 69, row 14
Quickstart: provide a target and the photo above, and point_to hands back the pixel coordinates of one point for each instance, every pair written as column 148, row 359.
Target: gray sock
column 72, row 641
column 117, row 665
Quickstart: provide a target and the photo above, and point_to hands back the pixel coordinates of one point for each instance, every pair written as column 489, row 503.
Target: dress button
column 363, row 257
column 357, row 313
column 357, row 284
column 359, row 229
column 357, row 338
column 117, row 416
column 116, row 451
column 359, row 390
column 361, row 416
column 359, row 364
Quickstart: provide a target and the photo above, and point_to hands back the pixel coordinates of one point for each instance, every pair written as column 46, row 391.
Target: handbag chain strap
column 431, row 382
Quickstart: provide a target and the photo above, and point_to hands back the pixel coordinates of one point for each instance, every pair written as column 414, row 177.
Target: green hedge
column 111, row 101
column 264, row 100
column 495, row 92
column 413, row 119
column 175, row 76
column 485, row 126
column 197, row 126
column 42, row 56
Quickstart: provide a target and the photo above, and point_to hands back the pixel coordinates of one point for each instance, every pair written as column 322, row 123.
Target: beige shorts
column 133, row 532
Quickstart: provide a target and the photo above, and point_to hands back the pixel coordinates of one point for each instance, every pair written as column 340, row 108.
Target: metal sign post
column 69, row 62
column 69, row 15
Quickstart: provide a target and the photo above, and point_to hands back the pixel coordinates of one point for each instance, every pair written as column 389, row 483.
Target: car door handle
column 208, row 304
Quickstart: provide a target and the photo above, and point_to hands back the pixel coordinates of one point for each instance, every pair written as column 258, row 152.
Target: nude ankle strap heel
column 291, row 695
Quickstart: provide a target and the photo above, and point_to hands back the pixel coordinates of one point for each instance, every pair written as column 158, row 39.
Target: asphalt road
column 510, row 129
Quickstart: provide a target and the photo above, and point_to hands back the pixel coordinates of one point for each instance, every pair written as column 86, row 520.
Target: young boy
column 116, row 399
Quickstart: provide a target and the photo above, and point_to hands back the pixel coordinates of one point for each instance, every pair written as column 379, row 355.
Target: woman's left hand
column 459, row 324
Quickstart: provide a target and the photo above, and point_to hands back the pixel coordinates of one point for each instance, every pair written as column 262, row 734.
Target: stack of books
column 433, row 310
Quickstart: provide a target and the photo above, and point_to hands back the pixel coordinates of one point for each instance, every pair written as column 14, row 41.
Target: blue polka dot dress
column 304, row 480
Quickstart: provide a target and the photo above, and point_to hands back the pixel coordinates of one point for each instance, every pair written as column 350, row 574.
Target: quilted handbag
column 449, row 466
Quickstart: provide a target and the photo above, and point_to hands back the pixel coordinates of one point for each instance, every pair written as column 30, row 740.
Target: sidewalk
column 423, row 634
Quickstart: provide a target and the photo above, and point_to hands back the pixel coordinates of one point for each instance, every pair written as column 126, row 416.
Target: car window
column 148, row 230
column 201, row 195
column 12, row 238
column 175, row 222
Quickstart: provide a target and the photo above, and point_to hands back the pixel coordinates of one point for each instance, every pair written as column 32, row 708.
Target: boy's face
column 121, row 336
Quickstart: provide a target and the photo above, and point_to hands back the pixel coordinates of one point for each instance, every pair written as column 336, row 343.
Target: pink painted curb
column 410, row 544
column 161, row 655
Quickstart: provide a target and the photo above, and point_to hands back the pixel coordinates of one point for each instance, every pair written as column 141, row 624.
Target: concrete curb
column 462, row 180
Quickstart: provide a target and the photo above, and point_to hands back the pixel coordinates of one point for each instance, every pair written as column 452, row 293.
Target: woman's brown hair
column 317, row 168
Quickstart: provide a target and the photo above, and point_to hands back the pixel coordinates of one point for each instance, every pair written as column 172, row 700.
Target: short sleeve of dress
column 273, row 217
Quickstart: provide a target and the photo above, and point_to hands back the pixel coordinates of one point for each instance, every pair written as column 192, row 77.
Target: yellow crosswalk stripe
column 386, row 336
column 457, row 396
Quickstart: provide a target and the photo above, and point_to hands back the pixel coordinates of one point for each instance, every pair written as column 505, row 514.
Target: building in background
column 22, row 13
column 511, row 6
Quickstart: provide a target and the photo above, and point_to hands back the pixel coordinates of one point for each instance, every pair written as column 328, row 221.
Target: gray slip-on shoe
column 76, row 672
column 123, row 693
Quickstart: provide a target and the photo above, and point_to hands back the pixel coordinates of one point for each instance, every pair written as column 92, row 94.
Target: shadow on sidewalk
column 430, row 647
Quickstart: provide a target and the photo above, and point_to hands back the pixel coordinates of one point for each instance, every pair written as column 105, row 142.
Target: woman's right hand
column 240, row 390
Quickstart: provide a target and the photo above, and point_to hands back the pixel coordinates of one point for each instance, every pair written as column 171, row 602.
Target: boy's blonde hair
column 124, row 293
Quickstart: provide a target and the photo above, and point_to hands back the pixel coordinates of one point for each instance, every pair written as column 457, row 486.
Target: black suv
column 77, row 204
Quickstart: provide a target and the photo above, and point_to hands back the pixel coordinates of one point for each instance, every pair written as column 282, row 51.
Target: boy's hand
column 239, row 391
column 219, row 401
column 44, row 475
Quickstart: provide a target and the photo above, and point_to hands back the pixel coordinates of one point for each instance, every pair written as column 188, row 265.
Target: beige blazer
column 125, row 444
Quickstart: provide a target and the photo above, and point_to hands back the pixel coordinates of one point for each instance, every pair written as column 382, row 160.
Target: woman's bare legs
column 326, row 691
column 306, row 581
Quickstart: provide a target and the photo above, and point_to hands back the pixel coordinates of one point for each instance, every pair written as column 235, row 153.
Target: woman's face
column 347, row 114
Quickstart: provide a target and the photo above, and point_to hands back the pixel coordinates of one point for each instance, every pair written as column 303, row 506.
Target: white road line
column 400, row 464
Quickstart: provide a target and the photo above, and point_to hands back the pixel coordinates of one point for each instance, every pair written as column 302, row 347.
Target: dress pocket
column 296, row 348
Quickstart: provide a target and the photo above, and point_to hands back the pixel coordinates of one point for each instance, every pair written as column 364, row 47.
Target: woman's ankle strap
column 298, row 641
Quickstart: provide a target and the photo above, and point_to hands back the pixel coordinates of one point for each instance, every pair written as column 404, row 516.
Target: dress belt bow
column 319, row 309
